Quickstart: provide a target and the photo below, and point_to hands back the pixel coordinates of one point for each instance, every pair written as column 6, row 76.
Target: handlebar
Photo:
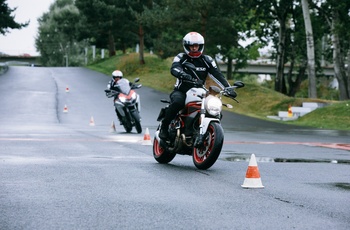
column 195, row 84
column 111, row 93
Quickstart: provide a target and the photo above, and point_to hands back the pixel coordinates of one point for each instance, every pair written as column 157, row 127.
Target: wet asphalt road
column 59, row 172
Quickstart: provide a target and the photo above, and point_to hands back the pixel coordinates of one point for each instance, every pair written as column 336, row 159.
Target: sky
column 17, row 42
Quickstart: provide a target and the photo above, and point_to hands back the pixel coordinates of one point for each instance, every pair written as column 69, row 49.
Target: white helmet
column 193, row 38
column 117, row 74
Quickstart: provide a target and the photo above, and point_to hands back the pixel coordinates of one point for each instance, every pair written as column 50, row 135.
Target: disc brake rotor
column 201, row 152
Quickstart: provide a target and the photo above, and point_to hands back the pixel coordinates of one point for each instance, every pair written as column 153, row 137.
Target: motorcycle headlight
column 133, row 95
column 213, row 105
column 122, row 99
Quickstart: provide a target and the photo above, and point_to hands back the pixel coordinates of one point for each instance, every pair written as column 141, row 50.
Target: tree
column 310, row 50
column 100, row 19
column 138, row 12
column 7, row 20
column 172, row 21
column 336, row 14
column 57, row 36
column 107, row 24
column 282, row 22
column 275, row 25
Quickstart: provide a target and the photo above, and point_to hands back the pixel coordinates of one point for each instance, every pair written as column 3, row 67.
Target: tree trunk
column 348, row 75
column 339, row 67
column 310, row 50
column 229, row 68
column 280, row 58
column 142, row 45
column 294, row 86
column 111, row 45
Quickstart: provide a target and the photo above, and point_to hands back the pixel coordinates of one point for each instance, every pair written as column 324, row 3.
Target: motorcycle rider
column 113, row 85
column 193, row 44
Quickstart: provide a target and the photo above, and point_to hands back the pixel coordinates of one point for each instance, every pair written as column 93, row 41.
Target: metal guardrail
column 19, row 60
column 262, row 68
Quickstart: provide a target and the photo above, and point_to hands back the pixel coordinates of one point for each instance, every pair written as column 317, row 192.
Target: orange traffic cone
column 290, row 113
column 67, row 89
column 65, row 109
column 147, row 138
column 92, row 122
column 112, row 130
column 252, row 177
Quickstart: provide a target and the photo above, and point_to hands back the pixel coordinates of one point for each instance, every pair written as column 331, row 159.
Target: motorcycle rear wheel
column 160, row 154
column 206, row 156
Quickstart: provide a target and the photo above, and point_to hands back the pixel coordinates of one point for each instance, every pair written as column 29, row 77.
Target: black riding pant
column 177, row 99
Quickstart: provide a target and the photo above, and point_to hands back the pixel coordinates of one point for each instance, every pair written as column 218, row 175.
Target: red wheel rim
column 158, row 151
column 200, row 155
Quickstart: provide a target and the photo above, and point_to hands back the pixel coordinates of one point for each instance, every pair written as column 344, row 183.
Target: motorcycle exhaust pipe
column 184, row 140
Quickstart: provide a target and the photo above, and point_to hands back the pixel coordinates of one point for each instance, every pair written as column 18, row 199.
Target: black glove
column 230, row 92
column 186, row 76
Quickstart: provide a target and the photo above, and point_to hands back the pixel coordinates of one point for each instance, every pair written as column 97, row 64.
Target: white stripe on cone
column 92, row 122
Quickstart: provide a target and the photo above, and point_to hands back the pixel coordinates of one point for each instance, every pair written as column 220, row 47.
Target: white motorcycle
column 196, row 130
column 127, row 104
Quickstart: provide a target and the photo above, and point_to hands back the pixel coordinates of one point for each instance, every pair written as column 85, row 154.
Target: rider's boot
column 164, row 133
column 170, row 114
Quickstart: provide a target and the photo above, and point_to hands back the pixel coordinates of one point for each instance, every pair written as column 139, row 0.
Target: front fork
column 120, row 107
column 204, row 123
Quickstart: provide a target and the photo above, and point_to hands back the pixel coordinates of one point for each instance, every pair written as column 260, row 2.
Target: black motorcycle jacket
column 205, row 66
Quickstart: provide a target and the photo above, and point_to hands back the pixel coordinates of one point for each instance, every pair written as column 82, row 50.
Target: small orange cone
column 65, row 109
column 290, row 113
column 67, row 89
column 252, row 177
column 92, row 122
column 147, row 138
column 112, row 130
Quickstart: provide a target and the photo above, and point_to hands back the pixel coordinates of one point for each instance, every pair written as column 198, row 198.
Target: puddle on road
column 342, row 185
column 285, row 160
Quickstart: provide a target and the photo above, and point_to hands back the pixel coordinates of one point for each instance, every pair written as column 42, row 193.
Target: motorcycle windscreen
column 124, row 86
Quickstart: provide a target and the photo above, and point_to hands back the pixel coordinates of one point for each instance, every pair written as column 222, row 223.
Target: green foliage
column 57, row 35
column 160, row 25
column 7, row 19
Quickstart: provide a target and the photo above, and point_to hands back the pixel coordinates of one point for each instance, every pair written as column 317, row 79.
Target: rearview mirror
column 238, row 84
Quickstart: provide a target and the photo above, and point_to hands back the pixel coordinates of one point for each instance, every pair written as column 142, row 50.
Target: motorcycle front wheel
column 205, row 156
column 127, row 125
column 160, row 154
column 137, row 121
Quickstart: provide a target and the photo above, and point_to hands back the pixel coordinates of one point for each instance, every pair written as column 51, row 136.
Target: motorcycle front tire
column 137, row 119
column 127, row 125
column 206, row 156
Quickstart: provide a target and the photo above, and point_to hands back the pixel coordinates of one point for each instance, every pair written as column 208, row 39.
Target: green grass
column 255, row 100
